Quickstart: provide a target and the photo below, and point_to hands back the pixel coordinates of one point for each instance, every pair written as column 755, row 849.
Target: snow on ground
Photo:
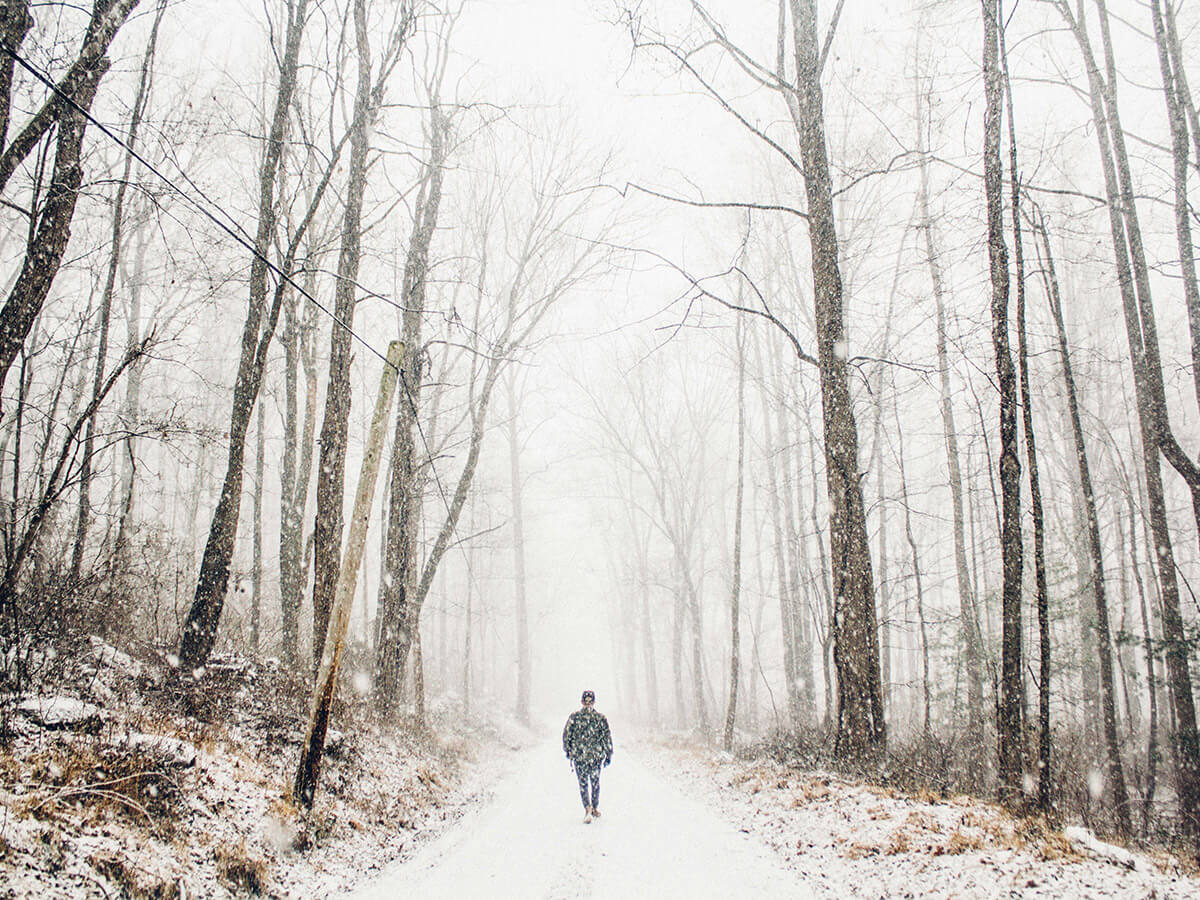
column 529, row 841
column 849, row 840
column 153, row 803
column 686, row 824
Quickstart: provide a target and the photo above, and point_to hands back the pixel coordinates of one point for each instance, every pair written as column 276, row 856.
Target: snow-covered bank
column 851, row 840
column 128, row 799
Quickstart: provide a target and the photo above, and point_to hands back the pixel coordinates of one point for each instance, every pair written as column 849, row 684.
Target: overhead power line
column 239, row 238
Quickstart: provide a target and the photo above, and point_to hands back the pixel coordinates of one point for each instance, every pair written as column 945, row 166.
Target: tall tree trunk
column 968, row 614
column 1008, row 725
column 735, row 590
column 1133, row 280
column 1035, row 485
column 861, row 731
column 396, row 622
column 204, row 616
column 256, row 564
column 518, row 523
column 1116, row 774
column 296, row 465
column 83, row 520
column 331, row 467
column 305, row 784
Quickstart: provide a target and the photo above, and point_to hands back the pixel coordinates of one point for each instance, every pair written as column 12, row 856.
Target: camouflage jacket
column 586, row 738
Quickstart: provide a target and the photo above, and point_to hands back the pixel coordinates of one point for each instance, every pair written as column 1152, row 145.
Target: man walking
column 588, row 745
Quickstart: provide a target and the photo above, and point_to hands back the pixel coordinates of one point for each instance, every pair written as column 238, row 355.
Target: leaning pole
column 304, row 788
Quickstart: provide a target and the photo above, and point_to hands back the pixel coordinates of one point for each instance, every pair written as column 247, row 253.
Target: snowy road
column 529, row 841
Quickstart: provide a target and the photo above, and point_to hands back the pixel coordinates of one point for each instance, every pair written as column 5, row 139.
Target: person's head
column 588, row 699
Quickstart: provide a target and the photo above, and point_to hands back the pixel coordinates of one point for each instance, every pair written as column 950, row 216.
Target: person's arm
column 567, row 736
column 608, row 743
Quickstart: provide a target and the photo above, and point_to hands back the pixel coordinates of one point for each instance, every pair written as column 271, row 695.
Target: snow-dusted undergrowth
column 132, row 800
column 853, row 840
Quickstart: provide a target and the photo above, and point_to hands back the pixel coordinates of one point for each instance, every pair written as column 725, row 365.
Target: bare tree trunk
column 295, row 474
column 83, row 520
column 734, row 611
column 1108, row 702
column 1133, row 279
column 204, row 616
column 396, row 622
column 305, row 786
column 514, row 456
column 331, row 467
column 1008, row 722
column 256, row 565
column 861, row 731
column 1035, row 486
column 968, row 614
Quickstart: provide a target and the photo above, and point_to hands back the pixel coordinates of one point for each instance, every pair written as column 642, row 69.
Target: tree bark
column 1008, row 725
column 204, row 616
column 735, row 590
column 83, row 520
column 861, row 731
column 331, row 467
column 305, row 786
column 1116, row 774
column 395, row 623
column 1133, row 280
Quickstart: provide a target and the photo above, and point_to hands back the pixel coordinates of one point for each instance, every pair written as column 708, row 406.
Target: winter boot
column 595, row 813
column 587, row 817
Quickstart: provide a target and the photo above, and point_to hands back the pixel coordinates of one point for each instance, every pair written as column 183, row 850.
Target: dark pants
column 588, row 774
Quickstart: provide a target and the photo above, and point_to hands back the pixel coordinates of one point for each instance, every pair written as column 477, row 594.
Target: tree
column 67, row 107
column 407, row 467
column 368, row 97
column 1156, row 436
column 1096, row 555
column 736, row 586
column 1009, row 724
column 861, row 729
column 204, row 616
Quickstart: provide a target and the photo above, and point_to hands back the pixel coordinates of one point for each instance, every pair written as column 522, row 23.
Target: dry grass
column 960, row 842
column 859, row 850
column 241, row 868
column 811, row 789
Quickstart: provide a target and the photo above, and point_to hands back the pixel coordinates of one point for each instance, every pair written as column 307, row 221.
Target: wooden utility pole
column 305, row 786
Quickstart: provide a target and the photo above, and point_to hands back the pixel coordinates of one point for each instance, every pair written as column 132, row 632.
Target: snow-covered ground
column 122, row 794
column 846, row 840
column 530, row 841
column 680, row 824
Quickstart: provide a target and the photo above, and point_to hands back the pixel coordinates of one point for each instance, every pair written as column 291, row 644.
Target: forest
column 819, row 383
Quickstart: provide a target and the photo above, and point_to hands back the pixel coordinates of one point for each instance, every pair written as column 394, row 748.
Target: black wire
column 66, row 98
